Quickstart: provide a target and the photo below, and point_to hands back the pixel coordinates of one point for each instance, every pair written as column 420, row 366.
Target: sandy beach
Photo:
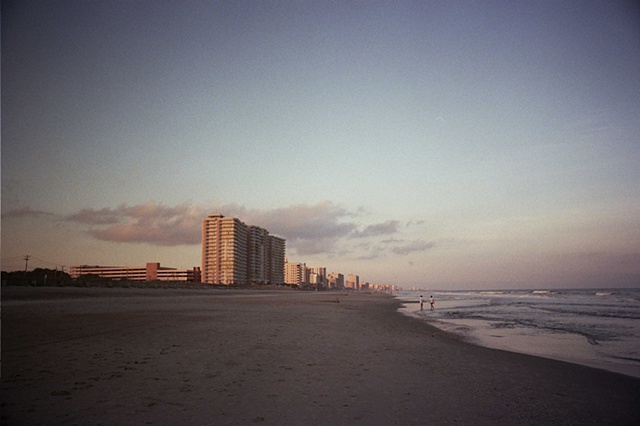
column 99, row 356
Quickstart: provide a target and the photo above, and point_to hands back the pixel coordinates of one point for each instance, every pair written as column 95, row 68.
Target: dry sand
column 194, row 357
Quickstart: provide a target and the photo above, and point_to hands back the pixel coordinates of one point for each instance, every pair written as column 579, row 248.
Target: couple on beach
column 431, row 302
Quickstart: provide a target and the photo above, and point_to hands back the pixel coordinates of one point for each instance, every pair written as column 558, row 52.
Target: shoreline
column 274, row 357
column 568, row 347
column 478, row 337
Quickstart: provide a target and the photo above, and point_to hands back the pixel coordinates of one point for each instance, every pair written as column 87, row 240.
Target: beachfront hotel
column 318, row 277
column 276, row 253
column 335, row 280
column 353, row 281
column 265, row 256
column 151, row 272
column 234, row 253
column 296, row 273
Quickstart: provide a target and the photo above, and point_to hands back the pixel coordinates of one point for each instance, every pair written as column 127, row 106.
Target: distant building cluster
column 299, row 274
column 316, row 278
column 234, row 253
column 384, row 287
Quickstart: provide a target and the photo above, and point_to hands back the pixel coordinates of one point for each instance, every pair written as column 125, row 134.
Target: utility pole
column 26, row 265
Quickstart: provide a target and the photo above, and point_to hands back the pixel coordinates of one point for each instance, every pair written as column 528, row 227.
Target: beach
column 597, row 328
column 107, row 356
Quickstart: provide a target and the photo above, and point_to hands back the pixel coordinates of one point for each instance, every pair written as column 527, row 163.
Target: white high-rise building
column 234, row 253
column 294, row 273
column 224, row 250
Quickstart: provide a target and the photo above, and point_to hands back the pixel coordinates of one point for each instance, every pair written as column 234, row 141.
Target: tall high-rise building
column 258, row 254
column 224, row 250
column 318, row 277
column 353, row 281
column 335, row 280
column 236, row 253
column 275, row 269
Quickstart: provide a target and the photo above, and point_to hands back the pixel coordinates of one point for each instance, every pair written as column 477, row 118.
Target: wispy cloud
column 414, row 223
column 310, row 229
column 152, row 223
column 385, row 228
column 25, row 212
column 413, row 246
column 374, row 252
column 104, row 216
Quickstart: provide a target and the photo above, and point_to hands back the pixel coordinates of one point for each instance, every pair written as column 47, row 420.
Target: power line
column 47, row 261
column 12, row 258
column 15, row 263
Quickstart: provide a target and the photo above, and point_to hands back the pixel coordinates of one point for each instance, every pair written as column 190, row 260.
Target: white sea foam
column 589, row 327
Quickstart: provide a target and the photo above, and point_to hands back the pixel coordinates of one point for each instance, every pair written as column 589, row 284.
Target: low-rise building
column 296, row 273
column 151, row 272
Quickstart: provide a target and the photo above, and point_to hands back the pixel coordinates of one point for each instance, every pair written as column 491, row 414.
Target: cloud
column 391, row 241
column 385, row 228
column 99, row 217
column 25, row 212
column 413, row 246
column 394, row 246
column 304, row 221
column 152, row 223
column 372, row 253
column 309, row 229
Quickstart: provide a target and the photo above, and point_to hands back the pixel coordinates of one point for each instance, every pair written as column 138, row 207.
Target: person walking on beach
column 421, row 302
column 431, row 302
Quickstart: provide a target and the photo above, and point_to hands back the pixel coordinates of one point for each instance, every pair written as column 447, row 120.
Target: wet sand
column 194, row 357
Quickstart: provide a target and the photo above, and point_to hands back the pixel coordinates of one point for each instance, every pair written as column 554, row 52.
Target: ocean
column 598, row 328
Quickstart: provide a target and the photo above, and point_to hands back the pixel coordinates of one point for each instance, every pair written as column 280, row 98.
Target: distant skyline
column 440, row 144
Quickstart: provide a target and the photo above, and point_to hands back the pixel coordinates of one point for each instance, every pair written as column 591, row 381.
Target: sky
column 437, row 144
